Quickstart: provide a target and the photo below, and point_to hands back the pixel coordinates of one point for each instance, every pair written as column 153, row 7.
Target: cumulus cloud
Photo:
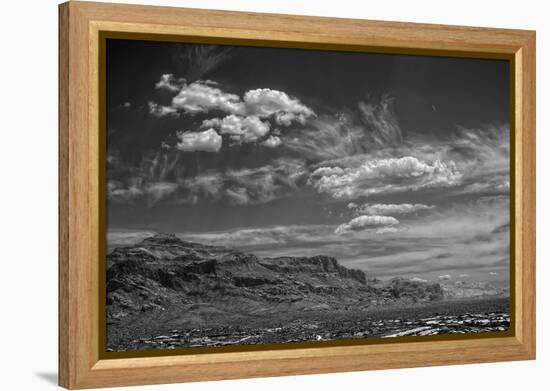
column 390, row 209
column 493, row 273
column 203, row 97
column 376, row 176
column 241, row 129
column 444, row 277
column 265, row 102
column 272, row 142
column 207, row 141
column 248, row 119
column 362, row 222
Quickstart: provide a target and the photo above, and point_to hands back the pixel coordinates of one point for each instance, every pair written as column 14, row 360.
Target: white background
column 28, row 196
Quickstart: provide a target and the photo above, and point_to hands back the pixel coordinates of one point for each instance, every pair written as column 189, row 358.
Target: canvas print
column 261, row 195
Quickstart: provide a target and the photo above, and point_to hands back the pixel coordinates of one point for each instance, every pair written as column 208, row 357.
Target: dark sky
column 279, row 150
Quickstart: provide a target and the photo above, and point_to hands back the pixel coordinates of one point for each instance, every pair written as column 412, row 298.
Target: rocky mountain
column 165, row 280
column 206, row 282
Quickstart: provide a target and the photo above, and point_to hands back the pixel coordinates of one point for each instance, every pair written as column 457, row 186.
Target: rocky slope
column 164, row 281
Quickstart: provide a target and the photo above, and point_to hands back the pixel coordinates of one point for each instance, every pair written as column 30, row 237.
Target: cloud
column 272, row 142
column 484, row 185
column 363, row 222
column 256, row 239
column 202, row 97
column 265, row 102
column 160, row 190
column 207, row 141
column 493, row 273
column 265, row 183
column 170, row 83
column 463, row 238
column 195, row 61
column 381, row 123
column 326, row 138
column 387, row 230
column 248, row 119
column 377, row 176
column 161, row 111
column 370, row 127
column 237, row 196
column 444, row 277
column 117, row 192
column 241, row 129
column 167, row 175
column 464, row 275
column 137, row 189
column 391, row 209
column 244, row 186
column 483, row 156
column 204, row 186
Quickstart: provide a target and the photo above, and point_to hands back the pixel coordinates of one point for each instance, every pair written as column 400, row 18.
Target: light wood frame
column 80, row 24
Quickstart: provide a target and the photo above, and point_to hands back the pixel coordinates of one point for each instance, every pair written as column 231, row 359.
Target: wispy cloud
column 159, row 179
column 369, row 128
column 196, row 61
column 363, row 222
column 389, row 209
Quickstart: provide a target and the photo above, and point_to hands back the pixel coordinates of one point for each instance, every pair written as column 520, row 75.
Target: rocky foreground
column 168, row 293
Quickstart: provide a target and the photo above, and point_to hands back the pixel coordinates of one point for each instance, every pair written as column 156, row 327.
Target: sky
column 394, row 164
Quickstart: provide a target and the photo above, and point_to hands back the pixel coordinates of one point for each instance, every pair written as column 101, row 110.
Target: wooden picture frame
column 81, row 365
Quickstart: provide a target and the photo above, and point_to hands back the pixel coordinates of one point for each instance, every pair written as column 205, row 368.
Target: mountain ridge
column 169, row 281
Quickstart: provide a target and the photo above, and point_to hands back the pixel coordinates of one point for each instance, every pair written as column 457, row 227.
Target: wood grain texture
column 79, row 173
column 63, row 200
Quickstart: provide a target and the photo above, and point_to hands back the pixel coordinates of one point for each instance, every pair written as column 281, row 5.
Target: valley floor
column 463, row 316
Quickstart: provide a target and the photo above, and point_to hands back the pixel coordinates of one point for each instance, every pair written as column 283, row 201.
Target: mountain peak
column 163, row 238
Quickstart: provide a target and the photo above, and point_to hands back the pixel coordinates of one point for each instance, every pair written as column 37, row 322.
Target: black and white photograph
column 262, row 195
